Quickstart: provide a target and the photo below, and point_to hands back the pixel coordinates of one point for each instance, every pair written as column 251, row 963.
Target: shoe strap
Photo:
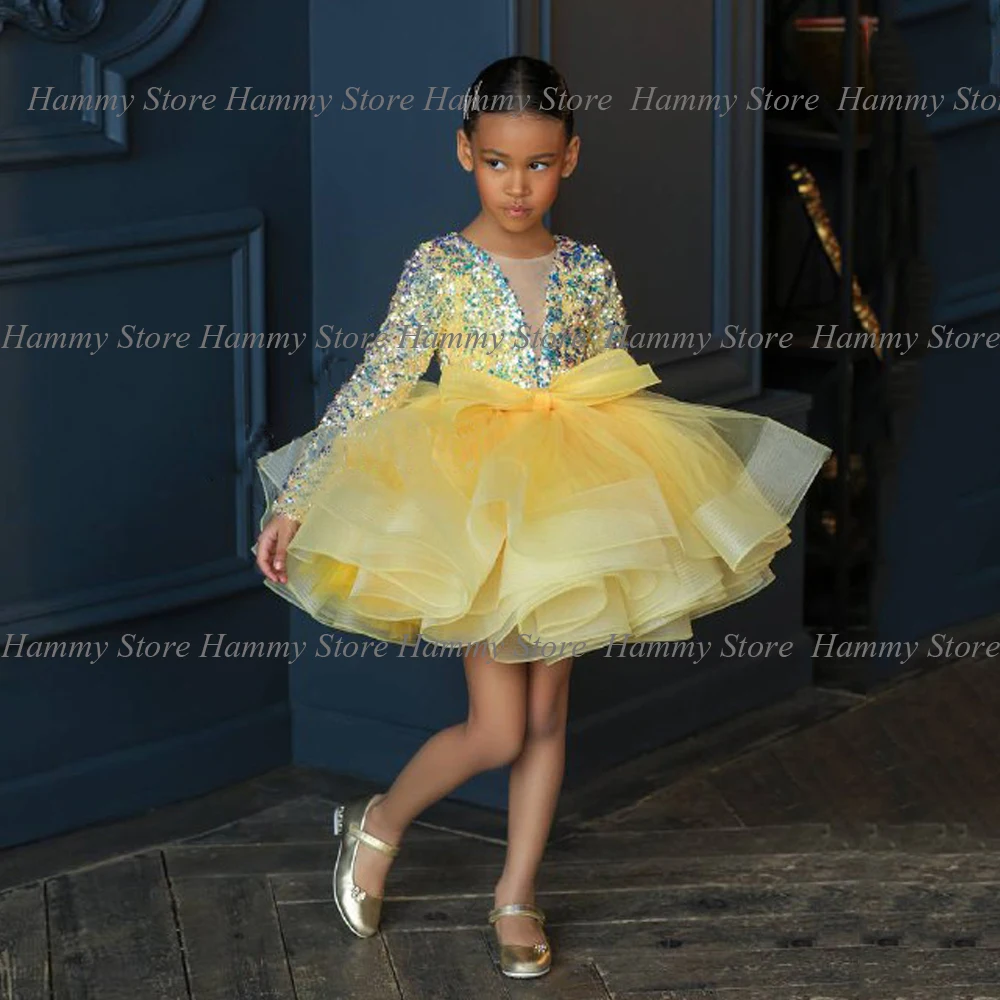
column 516, row 909
column 372, row 841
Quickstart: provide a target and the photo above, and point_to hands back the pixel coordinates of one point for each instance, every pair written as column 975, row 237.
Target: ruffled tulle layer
column 544, row 523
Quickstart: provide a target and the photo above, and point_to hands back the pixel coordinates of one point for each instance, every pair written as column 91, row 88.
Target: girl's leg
column 535, row 780
column 491, row 736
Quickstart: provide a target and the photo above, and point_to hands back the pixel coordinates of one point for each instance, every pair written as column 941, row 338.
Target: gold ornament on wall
column 812, row 200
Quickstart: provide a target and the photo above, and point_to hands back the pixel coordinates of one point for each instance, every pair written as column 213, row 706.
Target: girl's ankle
column 377, row 825
column 511, row 892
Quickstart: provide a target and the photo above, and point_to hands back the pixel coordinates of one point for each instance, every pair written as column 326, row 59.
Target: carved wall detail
column 53, row 20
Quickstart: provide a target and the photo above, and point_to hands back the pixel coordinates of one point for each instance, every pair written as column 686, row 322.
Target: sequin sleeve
column 392, row 363
column 609, row 327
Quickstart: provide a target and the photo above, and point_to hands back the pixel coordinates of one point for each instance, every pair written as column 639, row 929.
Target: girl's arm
column 392, row 363
column 609, row 327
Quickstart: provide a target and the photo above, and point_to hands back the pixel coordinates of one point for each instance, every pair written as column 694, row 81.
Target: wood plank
column 113, row 934
column 949, row 723
column 215, row 860
column 232, row 939
column 798, row 838
column 632, row 962
column 890, row 969
column 836, row 778
column 728, row 931
column 933, row 930
column 760, row 791
column 637, row 779
column 740, row 933
column 327, row 960
column 686, row 804
column 807, row 993
column 103, row 842
column 639, row 872
column 303, row 820
column 453, row 855
column 825, row 993
column 983, row 681
column 896, row 795
column 625, row 967
column 709, row 902
column 913, row 838
column 24, row 950
column 452, row 966
column 705, row 902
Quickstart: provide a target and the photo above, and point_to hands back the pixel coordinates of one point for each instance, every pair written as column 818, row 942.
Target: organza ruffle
column 542, row 523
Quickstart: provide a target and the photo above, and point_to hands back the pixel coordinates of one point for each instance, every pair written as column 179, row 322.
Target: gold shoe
column 360, row 910
column 522, row 961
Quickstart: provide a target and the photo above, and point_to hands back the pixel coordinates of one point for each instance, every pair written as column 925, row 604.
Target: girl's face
column 518, row 161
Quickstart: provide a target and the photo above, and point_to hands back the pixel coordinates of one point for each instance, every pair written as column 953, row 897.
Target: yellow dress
column 532, row 503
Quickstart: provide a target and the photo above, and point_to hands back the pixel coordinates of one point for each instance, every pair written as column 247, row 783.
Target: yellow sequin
column 453, row 300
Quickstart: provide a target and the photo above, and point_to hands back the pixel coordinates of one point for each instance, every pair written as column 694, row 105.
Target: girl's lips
column 517, row 210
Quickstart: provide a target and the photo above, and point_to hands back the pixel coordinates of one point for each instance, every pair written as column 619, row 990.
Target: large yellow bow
column 606, row 376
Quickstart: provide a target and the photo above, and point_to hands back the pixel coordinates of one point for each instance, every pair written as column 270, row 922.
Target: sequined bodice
column 454, row 301
column 528, row 277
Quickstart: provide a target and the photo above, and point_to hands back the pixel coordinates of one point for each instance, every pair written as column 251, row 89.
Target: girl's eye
column 493, row 164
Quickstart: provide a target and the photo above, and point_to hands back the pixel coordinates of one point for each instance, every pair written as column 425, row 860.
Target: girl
column 538, row 502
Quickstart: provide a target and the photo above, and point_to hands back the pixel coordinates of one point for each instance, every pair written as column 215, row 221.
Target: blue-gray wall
column 126, row 492
column 943, row 532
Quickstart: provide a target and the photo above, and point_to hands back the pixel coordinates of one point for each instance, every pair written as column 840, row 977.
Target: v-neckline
column 501, row 278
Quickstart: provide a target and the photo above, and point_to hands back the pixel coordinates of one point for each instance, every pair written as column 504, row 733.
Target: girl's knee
column 548, row 705
column 546, row 722
column 496, row 746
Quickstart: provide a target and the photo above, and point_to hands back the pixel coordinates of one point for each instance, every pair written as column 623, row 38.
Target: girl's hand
column 272, row 546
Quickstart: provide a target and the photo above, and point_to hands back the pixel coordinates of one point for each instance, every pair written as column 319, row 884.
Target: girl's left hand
column 272, row 547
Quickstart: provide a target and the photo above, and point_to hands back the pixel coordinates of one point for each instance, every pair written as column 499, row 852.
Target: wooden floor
column 835, row 847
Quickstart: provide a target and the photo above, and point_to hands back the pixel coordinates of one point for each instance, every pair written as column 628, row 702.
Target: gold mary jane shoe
column 522, row 961
column 360, row 910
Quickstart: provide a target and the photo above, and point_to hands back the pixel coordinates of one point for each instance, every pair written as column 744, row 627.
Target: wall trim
column 970, row 299
column 108, row 71
column 51, row 22
column 134, row 779
column 909, row 11
column 950, row 121
column 238, row 235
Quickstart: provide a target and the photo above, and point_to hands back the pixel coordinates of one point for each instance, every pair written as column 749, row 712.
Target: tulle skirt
column 541, row 523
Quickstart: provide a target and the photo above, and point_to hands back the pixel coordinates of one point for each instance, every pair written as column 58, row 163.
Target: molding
column 909, row 11
column 221, row 752
column 239, row 236
column 109, row 71
column 737, row 237
column 970, row 299
column 55, row 21
column 952, row 121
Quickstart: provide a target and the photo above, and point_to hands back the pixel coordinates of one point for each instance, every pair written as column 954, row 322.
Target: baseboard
column 130, row 781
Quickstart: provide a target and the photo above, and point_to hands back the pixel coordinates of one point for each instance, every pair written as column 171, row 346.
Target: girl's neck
column 534, row 243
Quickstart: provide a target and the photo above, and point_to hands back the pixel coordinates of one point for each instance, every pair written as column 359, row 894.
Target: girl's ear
column 463, row 149
column 572, row 156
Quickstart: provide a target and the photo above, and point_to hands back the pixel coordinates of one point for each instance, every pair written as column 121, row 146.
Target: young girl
column 538, row 502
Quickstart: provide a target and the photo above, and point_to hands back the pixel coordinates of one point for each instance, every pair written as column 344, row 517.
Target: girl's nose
column 518, row 185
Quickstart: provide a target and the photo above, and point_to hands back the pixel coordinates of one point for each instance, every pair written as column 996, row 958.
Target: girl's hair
column 518, row 83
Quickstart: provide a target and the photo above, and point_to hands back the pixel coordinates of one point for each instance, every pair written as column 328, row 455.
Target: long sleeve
column 392, row 363
column 609, row 326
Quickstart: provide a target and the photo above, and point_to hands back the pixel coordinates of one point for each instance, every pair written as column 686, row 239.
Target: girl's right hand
column 272, row 546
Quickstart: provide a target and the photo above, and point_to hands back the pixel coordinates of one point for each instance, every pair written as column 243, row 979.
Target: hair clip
column 475, row 99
